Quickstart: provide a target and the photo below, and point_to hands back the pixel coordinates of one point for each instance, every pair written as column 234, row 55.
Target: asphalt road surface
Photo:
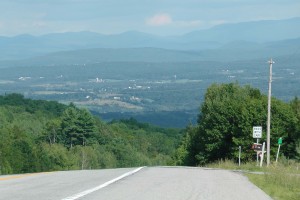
column 147, row 183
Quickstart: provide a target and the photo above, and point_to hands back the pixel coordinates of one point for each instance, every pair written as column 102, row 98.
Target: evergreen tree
column 78, row 126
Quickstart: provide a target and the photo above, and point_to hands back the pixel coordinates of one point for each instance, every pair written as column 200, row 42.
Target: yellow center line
column 5, row 178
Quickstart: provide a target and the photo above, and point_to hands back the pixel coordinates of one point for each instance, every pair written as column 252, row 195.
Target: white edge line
column 86, row 192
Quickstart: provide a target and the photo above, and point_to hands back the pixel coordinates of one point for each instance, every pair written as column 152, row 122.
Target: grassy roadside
column 280, row 181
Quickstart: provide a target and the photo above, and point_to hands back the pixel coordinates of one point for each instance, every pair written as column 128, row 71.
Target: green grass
column 281, row 181
column 228, row 164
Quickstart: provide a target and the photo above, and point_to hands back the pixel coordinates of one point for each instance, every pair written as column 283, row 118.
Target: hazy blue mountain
column 256, row 31
column 26, row 46
column 87, row 56
column 243, row 50
column 20, row 47
column 233, row 51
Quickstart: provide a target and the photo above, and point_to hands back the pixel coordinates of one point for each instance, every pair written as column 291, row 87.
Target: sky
column 160, row 17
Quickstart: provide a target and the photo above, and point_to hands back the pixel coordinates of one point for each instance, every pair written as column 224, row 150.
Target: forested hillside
column 40, row 135
column 226, row 119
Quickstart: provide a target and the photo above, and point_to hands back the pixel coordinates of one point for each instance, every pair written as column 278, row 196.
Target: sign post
column 262, row 155
column 240, row 151
column 279, row 143
column 257, row 133
column 257, row 140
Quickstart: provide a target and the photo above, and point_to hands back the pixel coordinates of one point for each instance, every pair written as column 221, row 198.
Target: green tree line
column 225, row 122
column 38, row 135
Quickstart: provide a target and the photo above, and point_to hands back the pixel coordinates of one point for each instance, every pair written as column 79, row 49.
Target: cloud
column 159, row 20
column 166, row 19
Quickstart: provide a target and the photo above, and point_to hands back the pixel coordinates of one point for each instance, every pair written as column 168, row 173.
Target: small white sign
column 257, row 131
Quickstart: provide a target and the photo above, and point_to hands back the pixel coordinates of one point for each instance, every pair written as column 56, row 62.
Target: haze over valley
column 156, row 79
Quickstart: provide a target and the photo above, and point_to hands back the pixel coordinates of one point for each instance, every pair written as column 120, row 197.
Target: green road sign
column 280, row 141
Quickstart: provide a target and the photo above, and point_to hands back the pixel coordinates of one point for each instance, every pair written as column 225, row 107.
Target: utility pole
column 269, row 113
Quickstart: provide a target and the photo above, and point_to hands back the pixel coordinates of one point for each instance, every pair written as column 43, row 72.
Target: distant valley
column 155, row 79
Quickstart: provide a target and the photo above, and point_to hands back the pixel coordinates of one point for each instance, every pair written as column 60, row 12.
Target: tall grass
column 280, row 180
column 229, row 164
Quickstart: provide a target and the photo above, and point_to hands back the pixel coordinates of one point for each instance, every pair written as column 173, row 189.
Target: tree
column 185, row 154
column 295, row 105
column 228, row 114
column 22, row 157
column 87, row 124
column 55, row 157
column 77, row 125
column 53, row 131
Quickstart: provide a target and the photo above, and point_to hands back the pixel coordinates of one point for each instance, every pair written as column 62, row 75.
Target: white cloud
column 159, row 20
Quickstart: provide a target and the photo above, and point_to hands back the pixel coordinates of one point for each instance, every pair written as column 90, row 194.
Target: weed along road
column 145, row 183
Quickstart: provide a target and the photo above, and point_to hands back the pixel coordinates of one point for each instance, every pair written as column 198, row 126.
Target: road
column 147, row 183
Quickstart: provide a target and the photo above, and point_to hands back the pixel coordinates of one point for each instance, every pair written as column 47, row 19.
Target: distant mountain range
column 234, row 51
column 258, row 36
